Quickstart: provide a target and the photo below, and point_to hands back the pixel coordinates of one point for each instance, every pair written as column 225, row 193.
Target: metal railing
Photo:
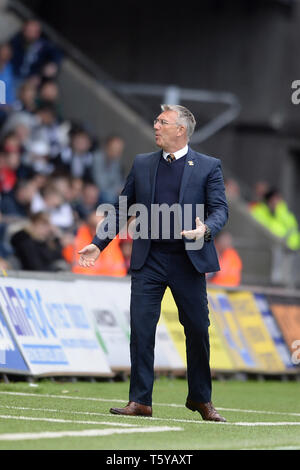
column 173, row 94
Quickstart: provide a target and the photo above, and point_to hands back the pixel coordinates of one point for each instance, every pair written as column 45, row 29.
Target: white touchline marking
column 269, row 447
column 259, row 412
column 85, row 433
column 270, row 423
column 22, row 408
column 60, row 420
column 51, row 410
column 112, row 400
column 130, row 426
column 285, row 448
column 66, row 397
column 146, row 418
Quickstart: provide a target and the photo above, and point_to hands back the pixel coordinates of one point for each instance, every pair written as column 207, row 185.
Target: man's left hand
column 197, row 233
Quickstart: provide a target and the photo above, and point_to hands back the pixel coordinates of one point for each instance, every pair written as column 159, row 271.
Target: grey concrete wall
column 85, row 99
column 9, row 23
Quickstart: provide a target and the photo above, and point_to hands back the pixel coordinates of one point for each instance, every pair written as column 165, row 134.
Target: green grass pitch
column 66, row 415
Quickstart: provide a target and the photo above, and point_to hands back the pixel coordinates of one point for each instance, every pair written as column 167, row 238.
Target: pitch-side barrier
column 63, row 324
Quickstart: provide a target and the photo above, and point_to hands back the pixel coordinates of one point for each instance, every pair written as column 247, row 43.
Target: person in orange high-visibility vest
column 111, row 262
column 230, row 263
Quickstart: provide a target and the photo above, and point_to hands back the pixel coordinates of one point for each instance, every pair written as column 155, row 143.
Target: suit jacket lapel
column 153, row 172
column 187, row 172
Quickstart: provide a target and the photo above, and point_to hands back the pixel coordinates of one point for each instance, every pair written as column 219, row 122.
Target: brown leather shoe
column 133, row 409
column 207, row 410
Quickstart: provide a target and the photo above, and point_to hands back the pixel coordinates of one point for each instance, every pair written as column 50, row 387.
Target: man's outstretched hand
column 88, row 255
column 197, row 233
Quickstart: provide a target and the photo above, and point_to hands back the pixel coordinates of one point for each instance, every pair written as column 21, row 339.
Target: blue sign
column 2, row 92
column 51, row 327
column 10, row 356
column 273, row 329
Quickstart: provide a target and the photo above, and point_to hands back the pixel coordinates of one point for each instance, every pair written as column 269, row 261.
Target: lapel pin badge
column 191, row 163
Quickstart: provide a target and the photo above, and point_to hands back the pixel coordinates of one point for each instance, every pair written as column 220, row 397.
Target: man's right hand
column 88, row 255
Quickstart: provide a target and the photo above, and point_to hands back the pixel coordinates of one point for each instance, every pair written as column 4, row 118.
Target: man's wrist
column 95, row 245
column 207, row 234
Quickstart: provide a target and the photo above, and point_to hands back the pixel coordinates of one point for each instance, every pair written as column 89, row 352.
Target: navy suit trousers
column 168, row 265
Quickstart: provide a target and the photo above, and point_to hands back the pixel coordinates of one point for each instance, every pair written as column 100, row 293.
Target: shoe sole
column 115, row 412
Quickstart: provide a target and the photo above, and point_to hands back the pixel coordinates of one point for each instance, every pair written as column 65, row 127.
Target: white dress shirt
column 180, row 153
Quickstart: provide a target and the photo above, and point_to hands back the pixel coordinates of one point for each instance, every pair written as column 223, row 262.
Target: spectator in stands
column 77, row 159
column 230, row 262
column 49, row 95
column 89, row 200
column 16, row 203
column 5, row 248
column 11, row 146
column 76, row 189
column 32, row 52
column 274, row 214
column 37, row 158
column 9, row 163
column 37, row 247
column 260, row 189
column 50, row 130
column 62, row 183
column 21, row 124
column 232, row 189
column 6, row 73
column 4, row 264
column 40, row 180
column 51, row 201
column 10, row 143
column 107, row 169
column 110, row 262
column 26, row 100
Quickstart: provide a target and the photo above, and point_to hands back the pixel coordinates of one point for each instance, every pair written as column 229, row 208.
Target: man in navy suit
column 191, row 184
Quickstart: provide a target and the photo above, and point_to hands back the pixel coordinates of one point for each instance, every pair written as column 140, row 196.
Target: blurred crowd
column 268, row 207
column 53, row 172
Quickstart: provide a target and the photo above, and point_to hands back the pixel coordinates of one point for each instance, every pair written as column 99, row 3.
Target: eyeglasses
column 162, row 122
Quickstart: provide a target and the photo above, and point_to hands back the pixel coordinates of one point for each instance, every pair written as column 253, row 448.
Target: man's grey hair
column 185, row 117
